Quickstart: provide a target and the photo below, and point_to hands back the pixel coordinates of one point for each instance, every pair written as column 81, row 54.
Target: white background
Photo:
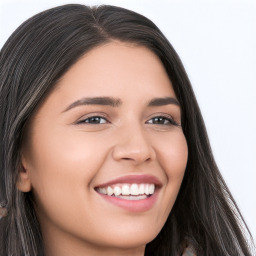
column 216, row 41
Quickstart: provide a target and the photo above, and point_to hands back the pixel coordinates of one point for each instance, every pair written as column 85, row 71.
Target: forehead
column 125, row 71
column 108, row 68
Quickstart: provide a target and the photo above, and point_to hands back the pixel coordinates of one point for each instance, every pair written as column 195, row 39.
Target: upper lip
column 138, row 179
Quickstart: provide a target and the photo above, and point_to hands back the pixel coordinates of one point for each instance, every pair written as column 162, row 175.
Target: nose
column 133, row 145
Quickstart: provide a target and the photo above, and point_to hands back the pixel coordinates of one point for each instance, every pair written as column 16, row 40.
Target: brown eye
column 93, row 120
column 162, row 120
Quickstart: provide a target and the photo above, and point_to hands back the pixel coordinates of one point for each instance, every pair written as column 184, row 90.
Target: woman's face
column 105, row 153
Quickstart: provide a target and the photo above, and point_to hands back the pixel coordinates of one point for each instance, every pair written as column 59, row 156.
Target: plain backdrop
column 216, row 41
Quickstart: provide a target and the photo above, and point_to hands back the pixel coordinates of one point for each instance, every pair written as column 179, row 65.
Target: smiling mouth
column 128, row 191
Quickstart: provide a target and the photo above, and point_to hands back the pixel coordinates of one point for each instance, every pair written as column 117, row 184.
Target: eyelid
column 81, row 121
column 85, row 117
column 168, row 117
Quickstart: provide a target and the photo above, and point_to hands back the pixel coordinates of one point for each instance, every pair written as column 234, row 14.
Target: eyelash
column 167, row 118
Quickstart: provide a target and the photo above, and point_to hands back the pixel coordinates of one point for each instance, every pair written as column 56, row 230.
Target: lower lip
column 132, row 205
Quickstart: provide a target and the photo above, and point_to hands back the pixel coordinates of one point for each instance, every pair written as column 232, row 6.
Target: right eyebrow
column 104, row 101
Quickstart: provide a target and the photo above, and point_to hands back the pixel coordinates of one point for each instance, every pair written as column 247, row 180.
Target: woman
column 104, row 150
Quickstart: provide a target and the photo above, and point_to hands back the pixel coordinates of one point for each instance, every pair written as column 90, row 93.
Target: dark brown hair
column 35, row 57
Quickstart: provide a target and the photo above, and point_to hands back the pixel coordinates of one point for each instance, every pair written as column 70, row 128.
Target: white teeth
column 117, row 191
column 151, row 188
column 134, row 190
column 140, row 197
column 125, row 190
column 102, row 190
column 141, row 189
column 109, row 191
column 146, row 189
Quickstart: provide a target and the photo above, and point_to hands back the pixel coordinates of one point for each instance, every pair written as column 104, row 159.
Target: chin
column 130, row 239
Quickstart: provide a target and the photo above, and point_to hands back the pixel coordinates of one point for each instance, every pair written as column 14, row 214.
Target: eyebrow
column 163, row 101
column 114, row 102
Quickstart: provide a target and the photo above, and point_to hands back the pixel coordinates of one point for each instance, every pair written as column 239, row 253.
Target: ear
column 23, row 182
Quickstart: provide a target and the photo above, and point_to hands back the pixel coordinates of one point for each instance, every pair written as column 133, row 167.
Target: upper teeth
column 128, row 189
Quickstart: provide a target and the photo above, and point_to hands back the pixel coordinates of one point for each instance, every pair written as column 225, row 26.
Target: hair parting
column 32, row 62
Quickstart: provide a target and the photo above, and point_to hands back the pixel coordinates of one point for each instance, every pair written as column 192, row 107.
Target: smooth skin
column 69, row 149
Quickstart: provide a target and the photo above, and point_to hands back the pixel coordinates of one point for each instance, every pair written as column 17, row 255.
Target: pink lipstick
column 135, row 193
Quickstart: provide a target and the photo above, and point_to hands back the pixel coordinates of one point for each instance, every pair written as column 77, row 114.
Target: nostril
column 133, row 149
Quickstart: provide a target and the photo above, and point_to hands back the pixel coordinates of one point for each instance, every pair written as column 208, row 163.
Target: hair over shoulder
column 204, row 216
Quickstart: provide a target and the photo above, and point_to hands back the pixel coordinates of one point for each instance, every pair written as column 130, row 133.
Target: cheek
column 65, row 153
column 62, row 168
column 172, row 156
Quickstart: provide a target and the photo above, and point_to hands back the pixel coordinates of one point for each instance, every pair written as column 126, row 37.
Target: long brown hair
column 35, row 57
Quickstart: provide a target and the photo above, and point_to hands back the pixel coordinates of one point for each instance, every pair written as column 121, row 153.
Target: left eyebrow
column 114, row 102
column 163, row 101
column 105, row 101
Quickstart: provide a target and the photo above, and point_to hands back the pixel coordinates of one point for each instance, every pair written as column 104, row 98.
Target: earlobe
column 23, row 182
